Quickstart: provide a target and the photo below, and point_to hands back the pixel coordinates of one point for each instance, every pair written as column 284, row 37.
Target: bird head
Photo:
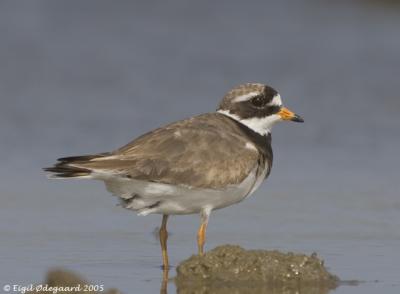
column 257, row 106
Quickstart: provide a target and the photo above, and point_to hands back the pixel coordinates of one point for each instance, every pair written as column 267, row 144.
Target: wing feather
column 202, row 152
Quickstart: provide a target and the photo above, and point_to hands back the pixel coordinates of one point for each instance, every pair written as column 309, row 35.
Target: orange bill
column 286, row 114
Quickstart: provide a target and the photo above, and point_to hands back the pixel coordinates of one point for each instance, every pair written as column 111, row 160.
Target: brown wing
column 206, row 151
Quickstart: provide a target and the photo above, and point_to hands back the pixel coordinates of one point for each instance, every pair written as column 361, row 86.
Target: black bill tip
column 297, row 118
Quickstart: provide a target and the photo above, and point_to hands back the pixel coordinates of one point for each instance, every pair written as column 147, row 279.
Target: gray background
column 81, row 77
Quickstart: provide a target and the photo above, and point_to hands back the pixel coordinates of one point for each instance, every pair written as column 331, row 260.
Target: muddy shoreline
column 231, row 266
column 230, row 269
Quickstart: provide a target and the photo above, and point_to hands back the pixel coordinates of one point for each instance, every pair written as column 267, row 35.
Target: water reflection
column 246, row 289
column 164, row 281
column 63, row 278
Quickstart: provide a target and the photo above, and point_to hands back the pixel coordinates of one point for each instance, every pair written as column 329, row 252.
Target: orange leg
column 201, row 234
column 201, row 238
column 163, row 241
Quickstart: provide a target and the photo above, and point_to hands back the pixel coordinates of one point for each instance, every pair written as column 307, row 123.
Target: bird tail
column 73, row 167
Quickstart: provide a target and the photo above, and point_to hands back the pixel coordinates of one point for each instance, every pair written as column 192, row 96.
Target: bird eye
column 258, row 101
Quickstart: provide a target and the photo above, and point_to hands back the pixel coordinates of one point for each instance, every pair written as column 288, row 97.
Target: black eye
column 258, row 101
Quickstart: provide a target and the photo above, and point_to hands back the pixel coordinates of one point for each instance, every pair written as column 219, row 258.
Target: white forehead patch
column 276, row 101
column 245, row 97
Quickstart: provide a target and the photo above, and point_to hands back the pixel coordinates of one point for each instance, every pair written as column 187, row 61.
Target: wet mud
column 232, row 269
column 226, row 269
column 65, row 282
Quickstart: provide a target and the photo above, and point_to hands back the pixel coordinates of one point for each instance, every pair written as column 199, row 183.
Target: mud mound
column 64, row 282
column 232, row 266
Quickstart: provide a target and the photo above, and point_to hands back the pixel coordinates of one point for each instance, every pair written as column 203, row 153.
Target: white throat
column 261, row 125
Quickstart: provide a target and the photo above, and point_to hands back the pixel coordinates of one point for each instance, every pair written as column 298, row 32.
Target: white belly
column 147, row 197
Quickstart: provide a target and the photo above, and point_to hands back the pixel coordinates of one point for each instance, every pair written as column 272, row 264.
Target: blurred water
column 86, row 77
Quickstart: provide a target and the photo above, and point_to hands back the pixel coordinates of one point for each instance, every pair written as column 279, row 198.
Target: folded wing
column 201, row 152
